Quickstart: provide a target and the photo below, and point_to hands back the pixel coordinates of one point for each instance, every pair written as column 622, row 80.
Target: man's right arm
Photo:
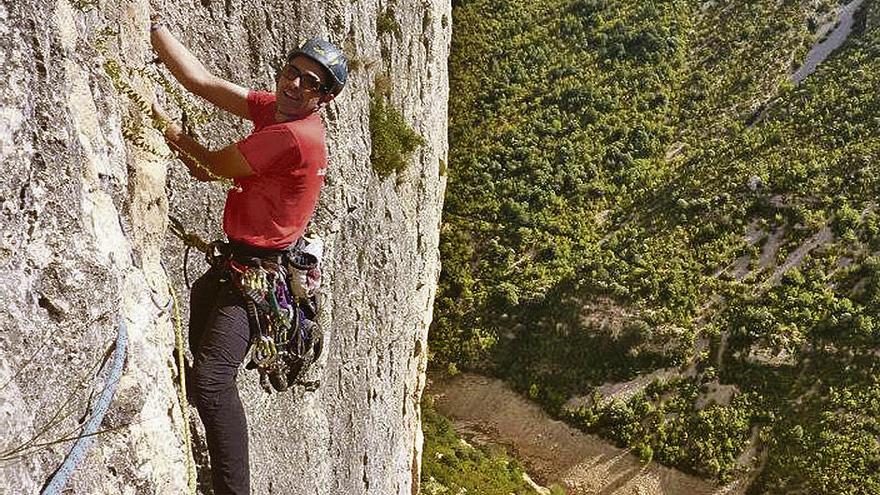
column 193, row 75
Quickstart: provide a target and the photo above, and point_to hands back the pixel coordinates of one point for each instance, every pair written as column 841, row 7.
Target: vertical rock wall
column 84, row 244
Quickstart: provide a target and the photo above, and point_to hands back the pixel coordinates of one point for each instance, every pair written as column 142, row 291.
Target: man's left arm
column 227, row 162
column 203, row 164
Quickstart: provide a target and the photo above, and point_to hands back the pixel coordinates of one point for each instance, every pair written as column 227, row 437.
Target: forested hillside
column 640, row 199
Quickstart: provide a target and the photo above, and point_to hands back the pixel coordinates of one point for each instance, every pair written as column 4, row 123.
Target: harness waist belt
column 242, row 252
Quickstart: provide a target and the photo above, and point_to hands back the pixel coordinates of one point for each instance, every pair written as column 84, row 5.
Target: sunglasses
column 307, row 80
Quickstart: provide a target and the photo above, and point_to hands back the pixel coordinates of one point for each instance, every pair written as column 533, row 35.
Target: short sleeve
column 270, row 150
column 261, row 108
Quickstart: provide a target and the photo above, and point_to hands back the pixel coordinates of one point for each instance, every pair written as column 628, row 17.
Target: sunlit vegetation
column 451, row 466
column 638, row 186
column 393, row 142
column 661, row 424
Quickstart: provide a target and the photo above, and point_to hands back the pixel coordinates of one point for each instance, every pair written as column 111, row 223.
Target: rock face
column 84, row 246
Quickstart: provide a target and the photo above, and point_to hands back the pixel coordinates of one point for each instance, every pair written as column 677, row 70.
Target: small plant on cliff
column 124, row 78
column 84, row 5
column 386, row 23
column 393, row 140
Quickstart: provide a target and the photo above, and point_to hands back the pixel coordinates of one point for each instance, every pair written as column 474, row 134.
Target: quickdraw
column 285, row 340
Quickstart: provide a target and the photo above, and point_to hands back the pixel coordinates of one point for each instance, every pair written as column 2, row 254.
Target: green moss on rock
column 393, row 140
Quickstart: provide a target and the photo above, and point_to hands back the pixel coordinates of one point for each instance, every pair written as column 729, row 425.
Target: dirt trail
column 490, row 412
column 825, row 46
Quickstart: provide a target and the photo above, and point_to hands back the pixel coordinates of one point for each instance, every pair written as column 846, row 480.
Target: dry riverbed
column 486, row 410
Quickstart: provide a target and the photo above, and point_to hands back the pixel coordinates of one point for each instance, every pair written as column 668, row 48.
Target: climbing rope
column 181, row 393
column 81, row 447
column 190, row 240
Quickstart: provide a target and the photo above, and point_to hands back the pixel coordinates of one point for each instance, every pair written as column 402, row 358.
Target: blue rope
column 80, row 448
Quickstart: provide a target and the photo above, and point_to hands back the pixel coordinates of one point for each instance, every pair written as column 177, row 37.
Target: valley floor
column 485, row 410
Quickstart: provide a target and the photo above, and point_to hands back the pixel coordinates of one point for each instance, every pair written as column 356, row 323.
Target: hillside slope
column 652, row 231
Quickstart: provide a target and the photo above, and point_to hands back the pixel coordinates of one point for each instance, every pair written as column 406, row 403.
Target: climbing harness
column 280, row 294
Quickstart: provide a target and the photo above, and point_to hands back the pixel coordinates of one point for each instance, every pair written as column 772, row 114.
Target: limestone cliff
column 84, row 200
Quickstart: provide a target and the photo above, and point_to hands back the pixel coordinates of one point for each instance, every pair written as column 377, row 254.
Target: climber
column 278, row 171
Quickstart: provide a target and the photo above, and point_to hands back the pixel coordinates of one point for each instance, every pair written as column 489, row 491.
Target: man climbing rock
column 278, row 171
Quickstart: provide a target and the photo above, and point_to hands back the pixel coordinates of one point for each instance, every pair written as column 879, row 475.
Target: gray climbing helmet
column 330, row 57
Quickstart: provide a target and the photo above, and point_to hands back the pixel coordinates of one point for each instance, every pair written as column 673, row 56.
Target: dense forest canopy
column 639, row 186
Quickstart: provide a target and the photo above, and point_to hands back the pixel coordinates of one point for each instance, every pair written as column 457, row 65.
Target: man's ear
column 327, row 98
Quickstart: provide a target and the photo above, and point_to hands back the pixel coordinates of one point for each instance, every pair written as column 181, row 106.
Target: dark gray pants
column 219, row 335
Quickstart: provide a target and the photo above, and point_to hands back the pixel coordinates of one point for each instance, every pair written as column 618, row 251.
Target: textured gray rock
column 84, row 243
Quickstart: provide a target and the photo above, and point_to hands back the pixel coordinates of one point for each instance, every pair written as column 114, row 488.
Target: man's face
column 298, row 88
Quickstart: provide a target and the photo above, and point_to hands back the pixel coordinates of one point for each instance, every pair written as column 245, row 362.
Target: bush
column 393, row 141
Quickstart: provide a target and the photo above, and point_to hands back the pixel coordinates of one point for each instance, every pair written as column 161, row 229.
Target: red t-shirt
column 289, row 160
